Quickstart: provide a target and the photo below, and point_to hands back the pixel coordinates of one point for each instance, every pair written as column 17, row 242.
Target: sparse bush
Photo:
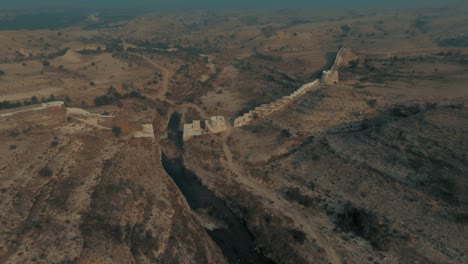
column 405, row 111
column 354, row 63
column 45, row 63
column 2, row 72
column 34, row 100
column 8, row 105
column 315, row 157
column 12, row 147
column 106, row 164
column 371, row 102
column 346, row 28
column 54, row 144
column 295, row 195
column 13, row 133
column 431, row 105
column 298, row 235
column 458, row 41
column 365, row 224
column 285, row 133
column 46, row 171
column 365, row 124
column 268, row 57
column 456, row 106
column 113, row 97
column 103, row 100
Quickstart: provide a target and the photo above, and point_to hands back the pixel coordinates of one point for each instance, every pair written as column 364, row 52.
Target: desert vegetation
column 367, row 169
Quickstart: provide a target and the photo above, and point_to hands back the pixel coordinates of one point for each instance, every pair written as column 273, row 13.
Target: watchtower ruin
column 215, row 124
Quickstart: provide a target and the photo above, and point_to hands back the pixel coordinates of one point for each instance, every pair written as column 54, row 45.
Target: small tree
column 345, row 28
column 46, row 171
column 34, row 100
column 371, row 102
column 354, row 63
column 45, row 63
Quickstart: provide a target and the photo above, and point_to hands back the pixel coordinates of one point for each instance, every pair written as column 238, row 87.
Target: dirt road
column 294, row 212
column 165, row 79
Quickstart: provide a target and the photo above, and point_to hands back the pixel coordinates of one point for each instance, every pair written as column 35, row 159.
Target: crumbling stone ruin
column 93, row 119
column 328, row 78
column 147, row 131
column 55, row 108
column 267, row 109
column 331, row 76
column 215, row 124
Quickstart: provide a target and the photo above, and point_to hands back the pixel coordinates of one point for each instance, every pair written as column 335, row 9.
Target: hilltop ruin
column 215, row 124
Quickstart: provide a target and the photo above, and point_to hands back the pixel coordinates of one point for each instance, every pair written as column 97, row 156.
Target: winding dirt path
column 165, row 79
column 293, row 211
column 279, row 204
column 161, row 95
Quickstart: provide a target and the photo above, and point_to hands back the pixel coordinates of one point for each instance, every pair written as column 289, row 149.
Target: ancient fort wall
column 267, row 109
column 56, row 109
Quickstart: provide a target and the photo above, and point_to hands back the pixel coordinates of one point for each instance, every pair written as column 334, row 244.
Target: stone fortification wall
column 56, row 109
column 215, row 124
column 328, row 77
column 101, row 121
column 331, row 76
column 147, row 131
column 338, row 59
column 267, row 109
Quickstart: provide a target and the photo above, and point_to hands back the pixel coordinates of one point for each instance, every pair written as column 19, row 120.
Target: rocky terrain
column 371, row 169
column 392, row 190
column 74, row 194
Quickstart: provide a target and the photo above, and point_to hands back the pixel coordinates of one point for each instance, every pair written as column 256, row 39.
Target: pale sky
column 225, row 3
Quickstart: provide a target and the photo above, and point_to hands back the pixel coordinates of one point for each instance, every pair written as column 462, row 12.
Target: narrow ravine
column 234, row 238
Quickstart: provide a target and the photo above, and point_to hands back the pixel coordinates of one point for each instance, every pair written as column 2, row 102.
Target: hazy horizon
column 225, row 3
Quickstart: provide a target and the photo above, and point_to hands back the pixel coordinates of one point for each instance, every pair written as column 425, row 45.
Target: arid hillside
column 368, row 168
column 71, row 193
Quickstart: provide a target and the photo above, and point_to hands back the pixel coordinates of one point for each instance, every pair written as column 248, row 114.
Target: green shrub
column 371, row 102
column 14, row 133
column 346, row 28
column 46, row 171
